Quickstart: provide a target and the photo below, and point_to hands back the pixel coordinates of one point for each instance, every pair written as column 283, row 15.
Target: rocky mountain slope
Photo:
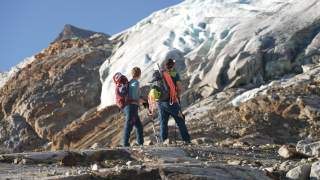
column 251, row 76
column 60, row 84
column 5, row 76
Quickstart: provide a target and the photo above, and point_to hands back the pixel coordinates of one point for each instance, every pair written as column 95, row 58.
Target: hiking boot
column 167, row 142
column 186, row 143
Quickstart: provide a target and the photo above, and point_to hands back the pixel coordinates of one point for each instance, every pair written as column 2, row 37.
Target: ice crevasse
column 193, row 28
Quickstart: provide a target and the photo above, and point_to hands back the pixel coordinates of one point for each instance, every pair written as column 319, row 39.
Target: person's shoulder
column 134, row 82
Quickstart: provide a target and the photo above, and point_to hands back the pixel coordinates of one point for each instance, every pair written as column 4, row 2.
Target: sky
column 28, row 26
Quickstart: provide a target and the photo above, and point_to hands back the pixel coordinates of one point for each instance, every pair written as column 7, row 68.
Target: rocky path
column 150, row 162
column 39, row 171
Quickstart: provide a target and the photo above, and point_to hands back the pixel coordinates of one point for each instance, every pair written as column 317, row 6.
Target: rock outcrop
column 72, row 32
column 103, row 127
column 16, row 134
column 315, row 171
column 300, row 172
column 309, row 147
column 57, row 87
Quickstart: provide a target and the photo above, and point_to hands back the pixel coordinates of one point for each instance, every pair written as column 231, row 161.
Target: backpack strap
column 172, row 87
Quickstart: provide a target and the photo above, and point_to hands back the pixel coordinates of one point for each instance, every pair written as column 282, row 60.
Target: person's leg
column 163, row 118
column 176, row 113
column 127, row 126
column 138, row 125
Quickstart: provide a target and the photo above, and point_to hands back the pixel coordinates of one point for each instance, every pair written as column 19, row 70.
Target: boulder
column 309, row 147
column 16, row 134
column 315, row 171
column 310, row 107
column 287, row 151
column 301, row 172
column 287, row 165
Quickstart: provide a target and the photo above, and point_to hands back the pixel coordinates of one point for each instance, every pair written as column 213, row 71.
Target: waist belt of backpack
column 129, row 101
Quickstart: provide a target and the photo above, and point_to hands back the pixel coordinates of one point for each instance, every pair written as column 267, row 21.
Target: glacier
column 215, row 40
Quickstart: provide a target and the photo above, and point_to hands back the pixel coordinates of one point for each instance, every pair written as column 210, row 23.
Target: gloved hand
column 145, row 105
column 150, row 113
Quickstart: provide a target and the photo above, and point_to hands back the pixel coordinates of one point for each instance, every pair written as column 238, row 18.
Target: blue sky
column 28, row 26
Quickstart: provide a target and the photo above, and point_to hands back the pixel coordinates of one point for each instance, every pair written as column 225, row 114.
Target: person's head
column 156, row 76
column 136, row 72
column 169, row 64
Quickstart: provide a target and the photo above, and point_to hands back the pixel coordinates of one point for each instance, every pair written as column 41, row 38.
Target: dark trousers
column 132, row 119
column 165, row 110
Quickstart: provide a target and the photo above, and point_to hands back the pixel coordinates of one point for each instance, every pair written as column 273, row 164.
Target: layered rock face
column 252, row 83
column 103, row 127
column 60, row 84
column 55, row 94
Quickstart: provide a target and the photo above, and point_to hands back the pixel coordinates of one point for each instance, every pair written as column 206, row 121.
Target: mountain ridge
column 70, row 31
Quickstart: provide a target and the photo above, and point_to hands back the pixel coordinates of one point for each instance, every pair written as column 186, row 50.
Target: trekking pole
column 154, row 132
column 147, row 106
column 175, row 133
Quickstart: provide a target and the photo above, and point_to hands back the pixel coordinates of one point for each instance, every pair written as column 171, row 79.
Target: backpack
column 121, row 89
column 162, row 89
column 159, row 89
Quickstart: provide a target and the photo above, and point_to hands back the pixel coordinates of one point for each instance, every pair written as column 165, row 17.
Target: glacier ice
column 208, row 35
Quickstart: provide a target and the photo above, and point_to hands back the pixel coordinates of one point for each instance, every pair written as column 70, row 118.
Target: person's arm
column 178, row 85
column 140, row 100
column 179, row 88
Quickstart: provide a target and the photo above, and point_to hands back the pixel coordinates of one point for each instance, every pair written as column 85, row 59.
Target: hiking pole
column 175, row 133
column 146, row 105
column 154, row 132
